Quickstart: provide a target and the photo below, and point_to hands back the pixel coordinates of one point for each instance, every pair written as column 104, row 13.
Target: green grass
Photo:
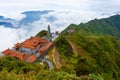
column 106, row 26
column 42, row 33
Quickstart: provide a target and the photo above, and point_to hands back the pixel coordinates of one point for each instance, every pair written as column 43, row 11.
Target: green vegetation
column 42, row 33
column 102, row 56
column 63, row 47
column 14, row 69
column 65, row 32
column 100, row 41
column 106, row 26
column 65, row 50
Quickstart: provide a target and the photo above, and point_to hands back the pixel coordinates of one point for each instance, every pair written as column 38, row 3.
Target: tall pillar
column 49, row 34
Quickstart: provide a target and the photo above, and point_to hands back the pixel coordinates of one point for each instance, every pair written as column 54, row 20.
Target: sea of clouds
column 62, row 19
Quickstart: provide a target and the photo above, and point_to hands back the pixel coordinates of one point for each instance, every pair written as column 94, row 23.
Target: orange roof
column 16, row 54
column 6, row 52
column 32, row 58
column 42, row 50
column 32, row 43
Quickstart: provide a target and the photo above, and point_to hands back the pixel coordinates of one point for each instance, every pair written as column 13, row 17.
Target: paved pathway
column 49, row 63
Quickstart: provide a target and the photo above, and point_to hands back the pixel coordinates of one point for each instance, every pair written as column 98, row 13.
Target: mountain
column 106, row 26
column 97, row 42
column 88, row 51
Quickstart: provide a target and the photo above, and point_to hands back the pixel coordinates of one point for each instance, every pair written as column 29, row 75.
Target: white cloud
column 11, row 14
column 78, row 5
column 6, row 38
column 10, row 36
column 104, row 5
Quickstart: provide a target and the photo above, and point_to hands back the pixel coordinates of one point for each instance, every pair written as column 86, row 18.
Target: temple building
column 30, row 50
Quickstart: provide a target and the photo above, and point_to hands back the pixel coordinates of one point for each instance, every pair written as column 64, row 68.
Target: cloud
column 6, row 38
column 104, row 6
column 78, row 5
column 10, row 36
column 16, row 15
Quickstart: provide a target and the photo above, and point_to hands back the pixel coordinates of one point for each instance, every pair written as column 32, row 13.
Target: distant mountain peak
column 104, row 26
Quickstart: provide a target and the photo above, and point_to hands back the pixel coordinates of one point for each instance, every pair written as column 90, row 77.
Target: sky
column 66, row 12
column 12, row 7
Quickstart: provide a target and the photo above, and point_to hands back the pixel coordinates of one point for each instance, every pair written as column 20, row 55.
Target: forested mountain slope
column 90, row 52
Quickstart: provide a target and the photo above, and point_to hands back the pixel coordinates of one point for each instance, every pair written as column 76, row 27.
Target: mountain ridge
column 89, row 51
column 99, row 47
column 104, row 26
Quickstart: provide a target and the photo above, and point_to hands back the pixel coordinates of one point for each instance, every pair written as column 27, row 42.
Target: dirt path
column 56, row 58
column 73, row 48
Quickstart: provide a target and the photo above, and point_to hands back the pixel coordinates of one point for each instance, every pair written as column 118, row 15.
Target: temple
column 32, row 49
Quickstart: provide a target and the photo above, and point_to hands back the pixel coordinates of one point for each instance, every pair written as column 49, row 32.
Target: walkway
column 56, row 58
column 73, row 48
column 49, row 63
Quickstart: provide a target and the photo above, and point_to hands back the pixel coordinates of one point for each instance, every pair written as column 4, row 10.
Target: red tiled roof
column 32, row 43
column 6, row 52
column 32, row 58
column 16, row 54
column 42, row 50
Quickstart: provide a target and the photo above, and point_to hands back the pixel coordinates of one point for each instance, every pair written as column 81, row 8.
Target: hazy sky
column 11, row 6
